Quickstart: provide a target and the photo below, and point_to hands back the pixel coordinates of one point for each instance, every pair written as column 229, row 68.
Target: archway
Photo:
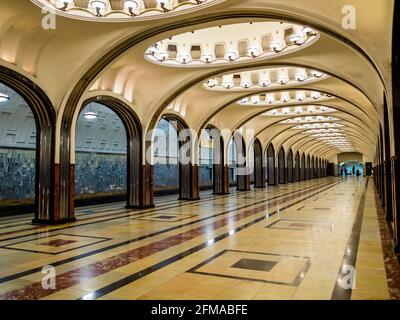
column 206, row 161
column 232, row 160
column 108, row 153
column 281, row 167
column 303, row 174
column 100, row 156
column 220, row 172
column 308, row 168
column 320, row 168
column 237, row 151
column 297, row 168
column 173, row 166
column 351, row 168
column 312, row 168
column 259, row 174
column 17, row 154
column 271, row 172
column 290, row 169
column 45, row 199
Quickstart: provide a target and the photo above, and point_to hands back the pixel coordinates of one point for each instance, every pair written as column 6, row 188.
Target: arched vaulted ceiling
column 285, row 56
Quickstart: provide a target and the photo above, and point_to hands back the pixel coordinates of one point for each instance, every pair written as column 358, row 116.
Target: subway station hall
column 199, row 150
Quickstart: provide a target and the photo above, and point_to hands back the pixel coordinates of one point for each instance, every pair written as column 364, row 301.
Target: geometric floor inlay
column 166, row 217
column 252, row 264
column 255, row 266
column 303, row 225
column 55, row 244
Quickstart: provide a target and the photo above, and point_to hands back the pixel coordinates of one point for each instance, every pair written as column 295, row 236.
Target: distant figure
column 358, row 173
column 353, row 170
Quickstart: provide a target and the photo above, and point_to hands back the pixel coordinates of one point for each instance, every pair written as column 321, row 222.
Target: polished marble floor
column 318, row 239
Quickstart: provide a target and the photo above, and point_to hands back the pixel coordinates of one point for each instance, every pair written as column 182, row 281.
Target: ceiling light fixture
column 271, row 99
column 131, row 5
column 163, row 55
column 254, row 52
column 66, row 4
column 275, row 46
column 98, row 5
column 212, row 83
column 264, row 83
column 308, row 30
column 283, row 80
column 300, row 77
column 184, row 58
column 228, row 84
column 162, row 4
column 316, row 95
column 295, row 38
column 90, row 115
column 4, row 97
column 317, row 74
column 207, row 57
column 246, row 84
column 230, row 55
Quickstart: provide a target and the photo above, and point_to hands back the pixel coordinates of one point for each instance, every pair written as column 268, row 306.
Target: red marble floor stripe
column 68, row 279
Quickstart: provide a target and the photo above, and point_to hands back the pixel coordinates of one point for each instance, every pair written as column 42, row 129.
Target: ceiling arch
column 116, row 65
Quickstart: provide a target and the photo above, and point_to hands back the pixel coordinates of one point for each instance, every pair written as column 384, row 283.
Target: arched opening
column 212, row 159
column 319, row 168
column 107, row 153
column 303, row 174
column 290, row 169
column 312, row 168
column 232, row 161
column 259, row 180
column 206, row 160
column 237, row 152
column 166, row 165
column 351, row 168
column 297, row 168
column 315, row 168
column 271, row 165
column 281, row 167
column 17, row 154
column 173, row 169
column 100, row 156
column 308, row 168
column 27, row 142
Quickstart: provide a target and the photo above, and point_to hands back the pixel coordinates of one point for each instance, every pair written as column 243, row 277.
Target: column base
column 52, row 222
column 149, row 206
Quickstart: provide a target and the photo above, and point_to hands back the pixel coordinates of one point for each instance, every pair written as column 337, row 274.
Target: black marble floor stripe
column 130, row 241
column 350, row 259
column 138, row 275
column 134, row 214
